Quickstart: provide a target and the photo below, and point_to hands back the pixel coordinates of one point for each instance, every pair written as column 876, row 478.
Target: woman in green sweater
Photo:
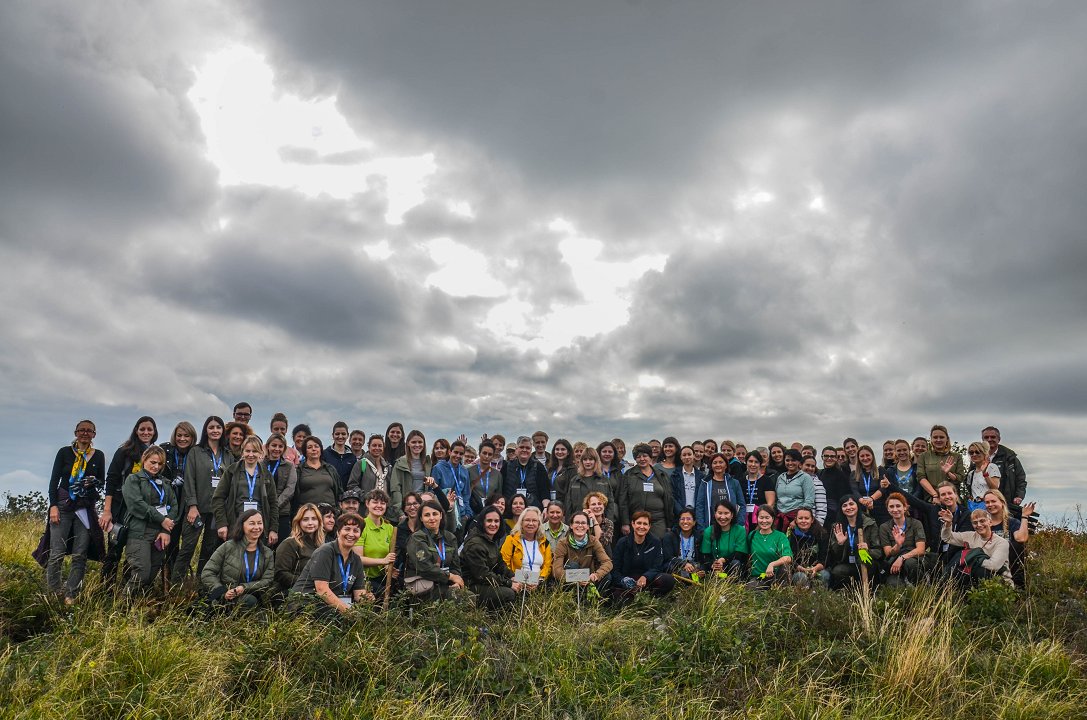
column 770, row 551
column 724, row 543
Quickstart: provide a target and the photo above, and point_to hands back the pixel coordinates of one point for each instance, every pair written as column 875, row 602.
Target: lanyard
column 179, row 462
column 485, row 480
column 686, row 547
column 852, row 533
column 531, row 558
column 272, row 470
column 607, row 474
column 216, row 463
column 440, row 547
column 867, row 483
column 752, row 486
column 522, row 470
column 251, row 480
column 250, row 574
column 345, row 576
column 161, row 491
column 903, row 527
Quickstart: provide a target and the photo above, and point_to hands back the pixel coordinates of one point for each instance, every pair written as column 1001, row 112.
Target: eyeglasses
column 243, row 415
column 411, row 504
column 84, row 431
column 973, row 452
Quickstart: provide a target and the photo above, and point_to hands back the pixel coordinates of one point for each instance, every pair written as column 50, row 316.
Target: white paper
column 579, row 575
column 527, row 577
column 84, row 518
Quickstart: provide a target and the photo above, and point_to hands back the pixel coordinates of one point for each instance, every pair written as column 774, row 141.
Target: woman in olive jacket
column 151, row 511
column 247, row 485
column 241, row 570
column 432, row 567
column 204, row 470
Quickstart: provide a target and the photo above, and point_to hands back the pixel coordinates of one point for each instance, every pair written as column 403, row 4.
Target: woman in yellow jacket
column 526, row 548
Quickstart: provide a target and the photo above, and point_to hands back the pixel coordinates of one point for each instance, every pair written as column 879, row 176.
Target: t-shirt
column 327, row 564
column 689, row 485
column 765, row 549
column 978, row 484
column 915, row 533
column 731, row 542
column 376, row 542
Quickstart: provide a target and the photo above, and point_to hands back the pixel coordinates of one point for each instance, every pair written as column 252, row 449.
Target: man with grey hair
column 526, row 477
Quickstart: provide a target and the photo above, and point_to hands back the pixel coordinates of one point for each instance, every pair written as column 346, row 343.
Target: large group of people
column 285, row 519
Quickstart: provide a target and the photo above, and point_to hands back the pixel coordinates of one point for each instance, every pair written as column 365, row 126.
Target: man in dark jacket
column 524, row 476
column 1013, row 478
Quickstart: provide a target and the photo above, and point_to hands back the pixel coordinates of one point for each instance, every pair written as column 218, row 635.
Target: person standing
column 1013, row 478
column 75, row 484
column 203, row 471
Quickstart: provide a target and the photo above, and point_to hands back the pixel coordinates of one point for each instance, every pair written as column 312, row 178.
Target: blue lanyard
column 686, row 547
column 345, row 576
column 272, row 470
column 903, row 527
column 522, row 471
column 485, row 480
column 607, row 474
column 161, row 491
column 554, row 474
column 852, row 533
column 867, row 483
column 752, row 486
column 216, row 463
column 250, row 574
column 532, row 557
column 251, row 480
column 440, row 546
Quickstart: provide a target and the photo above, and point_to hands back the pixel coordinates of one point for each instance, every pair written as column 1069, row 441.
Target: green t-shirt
column 376, row 542
column 731, row 542
column 765, row 549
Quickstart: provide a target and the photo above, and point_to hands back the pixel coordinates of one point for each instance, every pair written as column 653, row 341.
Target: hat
column 351, row 494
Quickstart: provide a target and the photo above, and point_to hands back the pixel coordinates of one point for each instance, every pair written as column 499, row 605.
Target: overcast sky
column 764, row 221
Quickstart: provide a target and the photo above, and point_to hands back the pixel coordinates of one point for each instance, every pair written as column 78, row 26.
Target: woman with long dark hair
column 126, row 461
column 241, row 570
column 394, row 443
column 811, row 548
column 203, row 471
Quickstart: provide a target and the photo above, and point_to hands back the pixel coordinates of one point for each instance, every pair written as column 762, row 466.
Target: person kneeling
column 335, row 573
column 639, row 562
column 484, row 570
column 240, row 570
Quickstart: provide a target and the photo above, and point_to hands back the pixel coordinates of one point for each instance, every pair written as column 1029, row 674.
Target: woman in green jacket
column 152, row 511
column 432, row 566
column 247, row 485
column 412, row 470
column 241, row 570
column 292, row 554
column 204, row 469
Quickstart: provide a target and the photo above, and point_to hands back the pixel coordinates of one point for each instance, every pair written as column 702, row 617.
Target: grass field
column 918, row 653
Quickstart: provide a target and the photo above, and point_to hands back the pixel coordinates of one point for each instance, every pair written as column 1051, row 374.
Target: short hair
column 639, row 515
column 301, row 427
column 254, row 440
column 794, row 454
column 348, row 518
column 596, row 494
column 981, row 445
column 183, row 426
column 538, row 433
column 641, row 449
column 312, row 439
column 486, row 444
column 755, row 454
column 151, row 451
column 899, row 497
column 993, row 428
column 358, row 432
column 239, row 525
column 525, row 439
column 241, row 405
column 457, row 443
column 340, row 424
column 377, row 494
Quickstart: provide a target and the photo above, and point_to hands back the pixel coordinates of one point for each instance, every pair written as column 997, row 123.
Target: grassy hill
column 781, row 654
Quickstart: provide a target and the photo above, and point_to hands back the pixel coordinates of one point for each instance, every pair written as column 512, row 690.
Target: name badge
column 522, row 492
column 346, row 600
column 554, row 496
column 248, row 505
column 945, row 547
column 578, row 575
column 214, row 481
column 162, row 510
column 528, row 577
column 852, row 560
column 647, row 487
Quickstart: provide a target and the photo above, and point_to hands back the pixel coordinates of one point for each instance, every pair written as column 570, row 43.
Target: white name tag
column 647, row 487
column 554, row 496
column 522, row 492
column 162, row 510
column 528, row 577
column 214, row 481
column 852, row 560
column 579, row 575
column 346, row 600
column 248, row 505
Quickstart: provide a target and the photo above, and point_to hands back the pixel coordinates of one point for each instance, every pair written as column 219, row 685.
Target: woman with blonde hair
column 527, row 547
column 981, row 477
column 601, row 526
column 307, row 534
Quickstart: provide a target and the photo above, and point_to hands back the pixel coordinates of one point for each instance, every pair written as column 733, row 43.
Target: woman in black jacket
column 811, row 550
column 125, row 462
column 639, row 562
column 485, row 573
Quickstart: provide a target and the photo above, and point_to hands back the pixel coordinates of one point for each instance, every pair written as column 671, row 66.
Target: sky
column 760, row 221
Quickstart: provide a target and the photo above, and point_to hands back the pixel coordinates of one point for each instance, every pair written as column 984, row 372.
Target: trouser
column 844, row 574
column 144, row 562
column 58, row 547
column 804, row 580
column 494, row 598
column 911, row 572
column 659, row 586
column 217, row 598
column 190, row 535
column 284, row 529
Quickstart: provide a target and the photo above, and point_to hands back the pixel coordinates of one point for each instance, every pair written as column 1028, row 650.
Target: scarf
column 79, row 467
column 578, row 544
